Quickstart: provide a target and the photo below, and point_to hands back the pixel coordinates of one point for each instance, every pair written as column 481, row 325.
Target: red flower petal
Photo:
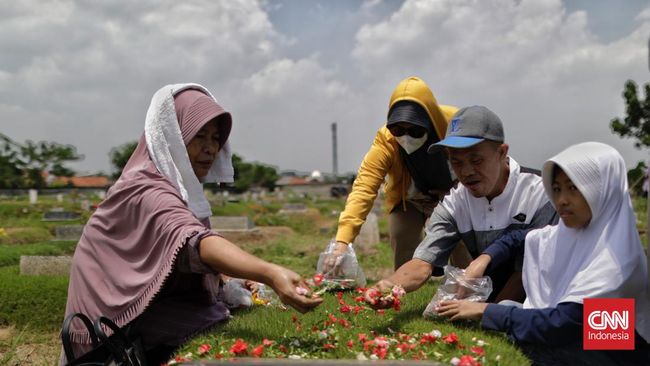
column 450, row 338
column 258, row 351
column 204, row 348
column 479, row 351
column 239, row 347
column 468, row 360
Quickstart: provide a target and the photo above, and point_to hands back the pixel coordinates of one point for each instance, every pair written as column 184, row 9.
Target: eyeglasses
column 415, row 131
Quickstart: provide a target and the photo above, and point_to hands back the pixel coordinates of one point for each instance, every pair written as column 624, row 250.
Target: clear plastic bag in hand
column 344, row 269
column 457, row 287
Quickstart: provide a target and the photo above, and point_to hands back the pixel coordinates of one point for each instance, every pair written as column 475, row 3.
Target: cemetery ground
column 32, row 307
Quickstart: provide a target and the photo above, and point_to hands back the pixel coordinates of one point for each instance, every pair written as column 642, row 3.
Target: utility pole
column 647, row 228
column 335, row 159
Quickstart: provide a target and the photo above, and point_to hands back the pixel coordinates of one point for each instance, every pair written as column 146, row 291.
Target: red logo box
column 608, row 324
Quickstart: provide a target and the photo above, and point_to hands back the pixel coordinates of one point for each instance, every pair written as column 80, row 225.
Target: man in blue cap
column 495, row 196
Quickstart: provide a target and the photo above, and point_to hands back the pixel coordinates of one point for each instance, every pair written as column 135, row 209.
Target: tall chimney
column 335, row 159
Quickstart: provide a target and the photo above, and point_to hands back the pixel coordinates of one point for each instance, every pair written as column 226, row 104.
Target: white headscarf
column 168, row 152
column 604, row 259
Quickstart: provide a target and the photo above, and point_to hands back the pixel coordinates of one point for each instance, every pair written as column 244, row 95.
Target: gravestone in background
column 369, row 233
column 60, row 215
column 33, row 265
column 293, row 208
column 85, row 205
column 231, row 223
column 68, row 232
column 33, row 196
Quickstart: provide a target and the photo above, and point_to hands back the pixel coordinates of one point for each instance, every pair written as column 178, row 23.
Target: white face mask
column 411, row 144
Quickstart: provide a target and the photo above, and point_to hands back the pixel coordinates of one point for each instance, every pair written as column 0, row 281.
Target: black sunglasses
column 415, row 131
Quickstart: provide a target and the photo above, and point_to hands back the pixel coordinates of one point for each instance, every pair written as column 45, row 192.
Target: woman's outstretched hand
column 284, row 283
column 461, row 309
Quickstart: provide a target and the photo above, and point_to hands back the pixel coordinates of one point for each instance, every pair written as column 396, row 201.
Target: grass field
column 31, row 308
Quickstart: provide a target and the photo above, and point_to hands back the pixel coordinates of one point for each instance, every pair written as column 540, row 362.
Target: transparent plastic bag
column 263, row 295
column 346, row 272
column 474, row 289
column 236, row 295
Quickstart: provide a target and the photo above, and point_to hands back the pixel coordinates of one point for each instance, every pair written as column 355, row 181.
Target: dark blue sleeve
column 551, row 326
column 506, row 247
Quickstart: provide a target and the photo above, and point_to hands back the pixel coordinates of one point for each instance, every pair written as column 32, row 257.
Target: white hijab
column 168, row 152
column 604, row 259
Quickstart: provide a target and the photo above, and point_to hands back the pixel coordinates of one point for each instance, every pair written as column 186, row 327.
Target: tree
column 120, row 156
column 637, row 122
column 10, row 173
column 22, row 166
column 635, row 177
column 43, row 156
column 249, row 175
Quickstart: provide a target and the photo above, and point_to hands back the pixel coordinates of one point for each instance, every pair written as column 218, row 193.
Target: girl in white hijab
column 594, row 252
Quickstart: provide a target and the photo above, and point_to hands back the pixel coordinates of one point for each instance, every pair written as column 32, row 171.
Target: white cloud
column 91, row 67
column 83, row 72
column 283, row 113
column 536, row 65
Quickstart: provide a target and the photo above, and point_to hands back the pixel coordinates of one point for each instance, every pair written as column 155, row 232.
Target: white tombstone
column 33, row 196
column 45, row 265
column 293, row 208
column 68, row 232
column 232, row 223
column 85, row 205
column 59, row 198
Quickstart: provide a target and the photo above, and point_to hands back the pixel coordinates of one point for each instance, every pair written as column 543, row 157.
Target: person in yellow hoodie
column 415, row 181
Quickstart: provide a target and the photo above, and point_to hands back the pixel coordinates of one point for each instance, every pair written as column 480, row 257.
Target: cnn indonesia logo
column 608, row 324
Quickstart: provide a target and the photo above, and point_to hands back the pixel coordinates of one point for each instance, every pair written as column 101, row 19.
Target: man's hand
column 374, row 293
column 332, row 261
column 284, row 283
column 461, row 309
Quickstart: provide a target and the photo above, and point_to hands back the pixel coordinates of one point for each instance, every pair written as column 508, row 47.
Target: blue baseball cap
column 470, row 126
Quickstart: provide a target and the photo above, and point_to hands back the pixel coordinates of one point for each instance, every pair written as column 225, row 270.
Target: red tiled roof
column 290, row 181
column 84, row 182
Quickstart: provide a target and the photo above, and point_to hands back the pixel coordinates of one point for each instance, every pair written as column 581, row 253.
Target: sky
column 83, row 72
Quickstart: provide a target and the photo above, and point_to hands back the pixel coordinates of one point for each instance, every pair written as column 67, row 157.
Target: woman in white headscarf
column 148, row 259
column 594, row 252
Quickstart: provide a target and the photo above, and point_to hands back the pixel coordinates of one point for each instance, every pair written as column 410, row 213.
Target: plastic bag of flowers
column 346, row 272
column 457, row 287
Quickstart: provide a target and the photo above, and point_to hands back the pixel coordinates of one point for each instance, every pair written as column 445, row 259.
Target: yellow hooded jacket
column 383, row 160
